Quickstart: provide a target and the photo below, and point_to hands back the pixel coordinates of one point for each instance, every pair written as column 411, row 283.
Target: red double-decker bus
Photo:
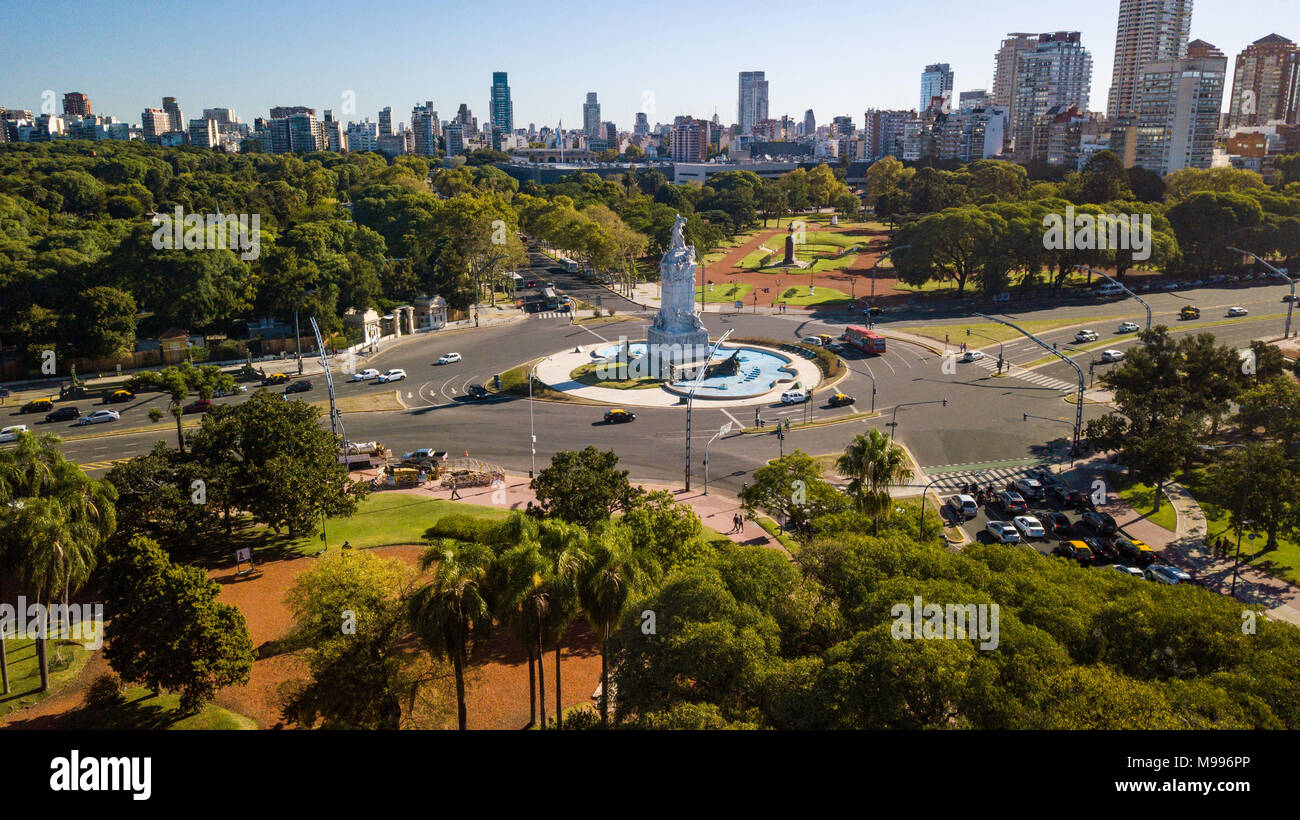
column 868, row 341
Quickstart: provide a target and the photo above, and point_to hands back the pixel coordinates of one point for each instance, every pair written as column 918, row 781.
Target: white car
column 1029, row 526
column 972, row 356
column 12, row 432
column 1003, row 532
column 1086, row 336
column 812, row 340
column 99, row 417
column 964, row 505
column 794, row 396
column 365, row 375
column 449, row 358
column 1237, row 310
column 1161, row 575
column 395, row 375
column 1132, row 572
column 1127, row 327
column 1112, row 355
column 221, row 394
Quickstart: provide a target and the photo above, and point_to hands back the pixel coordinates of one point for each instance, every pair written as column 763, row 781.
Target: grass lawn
column 587, row 374
column 1141, row 497
column 820, row 296
column 997, row 332
column 364, row 403
column 724, row 292
column 66, row 660
column 141, row 710
column 771, row 528
column 391, row 518
column 1283, row 562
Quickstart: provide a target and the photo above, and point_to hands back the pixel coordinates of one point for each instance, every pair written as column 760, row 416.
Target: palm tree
column 614, row 573
column 564, row 546
column 522, row 606
column 874, row 464
column 453, row 609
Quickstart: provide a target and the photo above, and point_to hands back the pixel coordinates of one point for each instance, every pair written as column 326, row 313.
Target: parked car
column 1104, row 552
column 964, row 506
column 394, row 375
column 1183, row 576
column 99, row 417
column 1160, row 574
column 199, row 406
column 1029, row 526
column 1128, row 327
column 619, row 416
column 12, row 432
column 118, row 396
column 1048, row 479
column 477, row 392
column 1012, row 503
column 1075, row 550
column 1056, row 523
column 1112, row 355
column 794, row 396
column 841, row 400
column 1135, row 552
column 1129, row 571
column 1030, row 488
column 449, row 358
column 38, row 406
column 63, row 414
column 365, row 375
column 274, row 379
column 815, row 341
column 1237, row 310
column 1100, row 522
column 424, row 455
column 972, row 355
column 1288, row 297
column 1189, row 312
column 1003, row 532
column 300, row 386
column 1086, row 336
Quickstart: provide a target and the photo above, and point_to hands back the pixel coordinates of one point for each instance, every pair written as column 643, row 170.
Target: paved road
column 982, row 423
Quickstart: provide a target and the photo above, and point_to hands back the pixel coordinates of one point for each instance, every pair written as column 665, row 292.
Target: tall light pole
column 1078, row 414
column 722, row 431
column 690, row 399
column 1123, row 287
column 1290, row 305
column 532, row 436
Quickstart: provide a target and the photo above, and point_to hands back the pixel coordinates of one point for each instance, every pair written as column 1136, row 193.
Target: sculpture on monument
column 789, row 248
column 677, row 334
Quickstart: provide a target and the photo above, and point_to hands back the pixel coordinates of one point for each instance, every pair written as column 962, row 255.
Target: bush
column 105, row 692
column 155, row 413
column 461, row 527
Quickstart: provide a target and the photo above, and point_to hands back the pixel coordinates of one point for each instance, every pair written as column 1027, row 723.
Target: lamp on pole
column 978, row 474
column 893, row 420
column 722, row 431
column 532, row 436
column 1124, row 287
column 690, row 399
column 1290, row 305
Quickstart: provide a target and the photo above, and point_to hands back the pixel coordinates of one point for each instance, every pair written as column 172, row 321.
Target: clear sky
column 668, row 56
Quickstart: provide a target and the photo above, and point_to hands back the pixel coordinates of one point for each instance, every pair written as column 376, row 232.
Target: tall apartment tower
column 641, row 129
column 1148, row 31
column 591, row 116
column 752, row 107
column 1004, row 66
column 503, row 110
column 76, row 104
column 155, row 123
column 425, row 126
column 1178, row 108
column 386, row 121
column 809, row 123
column 1056, row 74
column 204, row 133
column 175, row 119
column 936, row 81
column 1265, row 83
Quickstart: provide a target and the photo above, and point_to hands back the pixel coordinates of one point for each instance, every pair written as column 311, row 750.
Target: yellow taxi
column 118, row 396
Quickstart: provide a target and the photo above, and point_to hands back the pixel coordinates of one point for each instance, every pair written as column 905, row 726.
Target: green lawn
column 1283, row 562
column 587, row 374
column 1141, row 497
column 724, row 292
column 997, row 332
column 771, row 528
column 820, row 296
column 141, row 710
column 66, row 659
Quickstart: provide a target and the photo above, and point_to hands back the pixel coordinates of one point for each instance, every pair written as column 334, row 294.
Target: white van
column 794, row 396
column 1108, row 289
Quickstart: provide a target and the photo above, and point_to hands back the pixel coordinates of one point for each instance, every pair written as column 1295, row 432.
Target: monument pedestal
column 677, row 337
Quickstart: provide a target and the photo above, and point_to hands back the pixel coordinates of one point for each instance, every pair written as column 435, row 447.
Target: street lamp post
column 893, row 420
column 1125, row 288
column 1290, row 305
column 532, row 436
column 690, row 399
column 722, row 431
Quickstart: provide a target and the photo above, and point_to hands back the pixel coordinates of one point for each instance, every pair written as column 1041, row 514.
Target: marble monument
column 677, row 336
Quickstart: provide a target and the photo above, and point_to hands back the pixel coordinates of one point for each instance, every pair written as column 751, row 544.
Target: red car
column 200, row 406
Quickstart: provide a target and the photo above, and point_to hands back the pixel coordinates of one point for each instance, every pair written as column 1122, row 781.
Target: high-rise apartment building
column 752, row 107
column 363, row 136
column 503, row 109
column 1148, row 31
column 175, row 119
column 1265, row 83
column 883, row 132
column 641, row 129
column 591, row 116
column 689, row 140
column 281, row 112
column 154, row 122
column 809, row 123
column 204, row 133
column 936, row 81
column 1178, row 109
column 1057, row 74
column 76, row 104
column 840, row 126
column 335, row 139
column 386, row 121
column 425, row 126
column 1005, row 63
column 975, row 98
column 455, row 138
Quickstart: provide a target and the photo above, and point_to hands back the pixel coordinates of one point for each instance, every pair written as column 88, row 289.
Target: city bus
column 868, row 341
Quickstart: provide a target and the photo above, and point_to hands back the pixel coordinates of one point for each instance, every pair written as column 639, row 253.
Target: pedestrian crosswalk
column 551, row 314
column 990, row 364
column 90, row 466
column 998, row 477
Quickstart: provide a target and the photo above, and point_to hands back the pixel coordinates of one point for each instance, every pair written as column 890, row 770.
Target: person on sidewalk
column 454, row 495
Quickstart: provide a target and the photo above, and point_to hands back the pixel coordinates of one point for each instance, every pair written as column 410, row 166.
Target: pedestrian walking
column 454, row 494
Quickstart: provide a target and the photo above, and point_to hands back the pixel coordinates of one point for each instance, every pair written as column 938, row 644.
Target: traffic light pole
column 1290, row 305
column 1123, row 287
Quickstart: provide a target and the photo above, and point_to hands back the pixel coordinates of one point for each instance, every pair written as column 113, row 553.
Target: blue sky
column 682, row 57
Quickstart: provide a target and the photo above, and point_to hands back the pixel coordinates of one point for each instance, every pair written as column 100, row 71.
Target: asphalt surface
column 981, row 427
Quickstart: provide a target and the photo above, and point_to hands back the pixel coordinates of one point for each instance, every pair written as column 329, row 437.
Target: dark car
column 1012, row 504
column 841, row 399
column 1048, row 479
column 301, row 386
column 1100, row 522
column 1057, row 523
column 1105, row 553
column 477, row 392
column 200, row 406
column 38, row 406
column 1135, row 552
column 1066, row 497
column 619, row 416
column 118, row 396
column 63, row 414
column 1075, row 550
column 873, row 311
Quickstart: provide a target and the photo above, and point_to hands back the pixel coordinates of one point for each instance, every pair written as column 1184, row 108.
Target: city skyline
column 879, row 68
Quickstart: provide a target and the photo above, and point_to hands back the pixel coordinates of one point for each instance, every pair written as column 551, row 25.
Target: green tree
column 178, row 382
column 582, row 487
column 874, row 465
column 791, row 489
